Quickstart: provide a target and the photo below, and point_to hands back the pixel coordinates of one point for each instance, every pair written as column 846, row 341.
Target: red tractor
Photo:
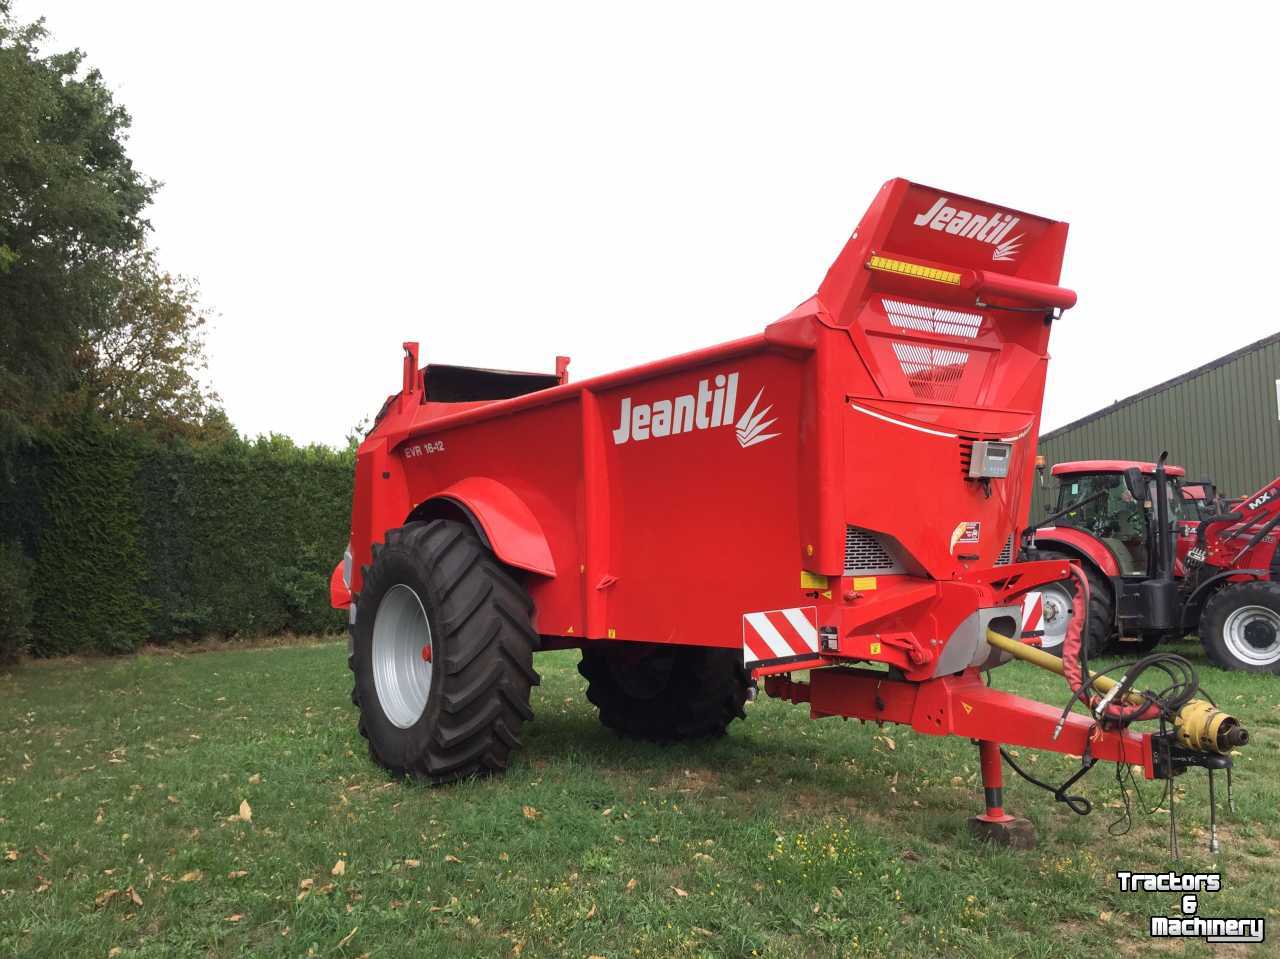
column 838, row 494
column 1162, row 561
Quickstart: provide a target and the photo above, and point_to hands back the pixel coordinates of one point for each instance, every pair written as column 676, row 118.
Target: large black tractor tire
column 1240, row 627
column 665, row 693
column 457, row 714
column 1101, row 626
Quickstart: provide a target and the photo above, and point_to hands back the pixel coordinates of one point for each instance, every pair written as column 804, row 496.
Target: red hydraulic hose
column 1117, row 710
column 1075, row 629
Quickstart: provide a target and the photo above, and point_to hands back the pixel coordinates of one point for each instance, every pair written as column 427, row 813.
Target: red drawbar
column 965, row 706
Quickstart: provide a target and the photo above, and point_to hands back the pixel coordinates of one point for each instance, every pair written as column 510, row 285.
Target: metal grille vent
column 931, row 319
column 864, row 553
column 1006, row 554
column 934, row 372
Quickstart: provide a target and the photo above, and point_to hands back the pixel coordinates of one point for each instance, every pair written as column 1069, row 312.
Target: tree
column 142, row 360
column 89, row 322
column 357, row 433
column 91, row 327
column 71, row 204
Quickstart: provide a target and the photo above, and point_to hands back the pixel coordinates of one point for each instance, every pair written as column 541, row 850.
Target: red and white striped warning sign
column 779, row 635
column 1032, row 615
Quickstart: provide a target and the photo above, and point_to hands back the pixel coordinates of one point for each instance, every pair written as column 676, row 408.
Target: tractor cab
column 1164, row 555
column 1128, row 525
column 1098, row 498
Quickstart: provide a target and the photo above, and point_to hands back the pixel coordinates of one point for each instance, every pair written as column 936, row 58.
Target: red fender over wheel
column 509, row 527
column 1076, row 541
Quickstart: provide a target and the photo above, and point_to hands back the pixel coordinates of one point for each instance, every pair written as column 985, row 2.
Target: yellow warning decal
column 967, row 708
column 613, row 634
column 864, row 582
column 875, row 649
column 810, row 580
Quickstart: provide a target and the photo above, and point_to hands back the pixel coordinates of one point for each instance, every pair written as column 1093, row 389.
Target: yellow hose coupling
column 1206, row 728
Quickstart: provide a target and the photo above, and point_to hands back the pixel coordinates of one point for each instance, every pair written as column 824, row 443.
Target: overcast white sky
column 508, row 182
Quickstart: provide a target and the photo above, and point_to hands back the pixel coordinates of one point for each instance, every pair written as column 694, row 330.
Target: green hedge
column 15, row 602
column 129, row 539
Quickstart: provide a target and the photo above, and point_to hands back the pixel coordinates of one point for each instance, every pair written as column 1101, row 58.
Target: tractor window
column 1098, row 495
column 1179, row 509
column 1195, row 504
column 1108, row 511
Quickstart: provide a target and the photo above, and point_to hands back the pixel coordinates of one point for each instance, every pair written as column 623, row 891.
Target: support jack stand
column 995, row 825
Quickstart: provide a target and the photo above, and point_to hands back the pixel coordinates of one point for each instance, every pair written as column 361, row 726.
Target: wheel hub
column 1259, row 634
column 1252, row 634
column 402, row 656
column 1056, row 605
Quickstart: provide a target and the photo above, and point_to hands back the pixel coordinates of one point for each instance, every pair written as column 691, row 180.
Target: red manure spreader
column 840, row 494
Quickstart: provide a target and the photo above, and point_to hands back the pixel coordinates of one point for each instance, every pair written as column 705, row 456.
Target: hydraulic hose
column 1201, row 725
column 1074, row 670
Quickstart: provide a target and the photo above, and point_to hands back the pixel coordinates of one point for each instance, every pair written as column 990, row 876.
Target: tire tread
column 706, row 690
column 485, row 648
column 1213, row 620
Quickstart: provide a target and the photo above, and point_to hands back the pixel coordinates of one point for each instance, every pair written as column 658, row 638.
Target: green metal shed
column 1221, row 421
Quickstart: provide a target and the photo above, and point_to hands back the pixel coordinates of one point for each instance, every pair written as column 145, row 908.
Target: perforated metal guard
column 934, row 372
column 931, row 319
column 1006, row 554
column 864, row 553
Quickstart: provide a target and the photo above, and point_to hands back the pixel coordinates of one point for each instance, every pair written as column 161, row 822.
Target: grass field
column 221, row 804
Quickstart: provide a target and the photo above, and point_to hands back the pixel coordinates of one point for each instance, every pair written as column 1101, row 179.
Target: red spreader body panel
column 666, row 502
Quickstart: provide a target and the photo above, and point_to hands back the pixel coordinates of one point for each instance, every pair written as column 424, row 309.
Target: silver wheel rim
column 401, row 676
column 1235, row 632
column 1056, row 605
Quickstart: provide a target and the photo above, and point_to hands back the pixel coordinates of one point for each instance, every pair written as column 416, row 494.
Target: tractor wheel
column 1058, row 600
column 442, row 650
column 665, row 693
column 1240, row 627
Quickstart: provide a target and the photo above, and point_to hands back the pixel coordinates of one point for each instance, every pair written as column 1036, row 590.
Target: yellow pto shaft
column 1201, row 725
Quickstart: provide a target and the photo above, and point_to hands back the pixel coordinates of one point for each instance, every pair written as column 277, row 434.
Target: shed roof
column 1161, row 387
